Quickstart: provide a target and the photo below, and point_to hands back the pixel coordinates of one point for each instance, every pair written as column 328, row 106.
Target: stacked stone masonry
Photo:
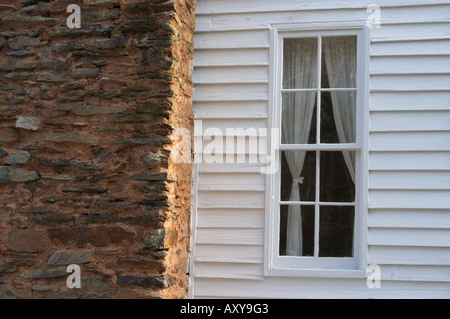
column 87, row 117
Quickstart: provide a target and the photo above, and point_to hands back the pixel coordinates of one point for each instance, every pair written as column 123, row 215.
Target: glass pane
column 336, row 231
column 339, row 62
column 338, row 117
column 300, row 63
column 296, row 161
column 336, row 181
column 296, row 234
column 298, row 118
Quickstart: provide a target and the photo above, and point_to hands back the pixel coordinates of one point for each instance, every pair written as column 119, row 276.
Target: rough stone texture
column 86, row 122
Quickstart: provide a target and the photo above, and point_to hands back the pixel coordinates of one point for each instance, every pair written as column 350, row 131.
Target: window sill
column 315, row 273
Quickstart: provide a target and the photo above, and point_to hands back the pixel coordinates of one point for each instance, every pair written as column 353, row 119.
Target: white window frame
column 355, row 267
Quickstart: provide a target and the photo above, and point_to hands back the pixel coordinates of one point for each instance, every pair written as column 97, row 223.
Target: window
column 318, row 106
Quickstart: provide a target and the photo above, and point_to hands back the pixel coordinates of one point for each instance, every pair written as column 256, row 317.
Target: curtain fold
column 299, row 71
column 340, row 61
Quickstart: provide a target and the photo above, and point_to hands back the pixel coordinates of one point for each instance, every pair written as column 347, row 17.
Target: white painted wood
column 229, row 253
column 408, row 166
column 417, row 48
column 415, row 273
column 402, row 65
column 410, row 141
column 409, row 237
column 409, row 218
column 241, row 74
column 261, row 20
column 414, row 180
column 230, row 92
column 232, row 39
column 439, row 199
column 231, row 57
column 411, row 121
column 231, row 271
column 230, row 218
column 237, row 6
column 231, row 199
column 230, row 236
column 419, row 100
column 411, row 82
column 399, row 161
column 392, row 255
column 318, row 289
column 240, row 182
column 412, row 32
column 230, row 110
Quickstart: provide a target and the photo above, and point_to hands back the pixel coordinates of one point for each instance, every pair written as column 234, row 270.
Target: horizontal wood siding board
column 415, row 180
column 212, row 7
column 409, row 218
column 433, row 199
column 410, row 237
column 410, row 100
column 394, row 255
column 410, row 161
column 261, row 20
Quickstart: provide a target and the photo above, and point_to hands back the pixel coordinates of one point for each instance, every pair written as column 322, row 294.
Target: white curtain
column 299, row 71
column 340, row 60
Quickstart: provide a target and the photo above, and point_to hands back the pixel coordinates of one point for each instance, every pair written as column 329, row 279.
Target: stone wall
column 87, row 117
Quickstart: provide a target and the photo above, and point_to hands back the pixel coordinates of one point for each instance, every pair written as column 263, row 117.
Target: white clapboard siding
column 399, row 161
column 258, row 20
column 408, row 217
column 417, row 48
column 419, row 100
column 231, row 110
column 411, row 121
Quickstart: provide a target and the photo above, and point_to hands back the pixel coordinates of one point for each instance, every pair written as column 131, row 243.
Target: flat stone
column 146, row 281
column 25, row 240
column 46, row 273
column 72, row 86
column 20, row 157
column 18, row 52
column 109, row 43
column 156, row 240
column 52, row 77
column 20, row 75
column 51, row 219
column 16, row 174
column 71, row 137
column 27, row 123
column 13, row 64
column 133, row 141
column 70, row 46
column 10, row 135
column 98, row 109
column 3, row 152
column 85, row 189
column 97, row 235
column 88, row 73
column 19, row 20
column 10, row 292
column 85, row 165
column 67, row 257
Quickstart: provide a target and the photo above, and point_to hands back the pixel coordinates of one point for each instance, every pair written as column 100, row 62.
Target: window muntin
column 327, row 148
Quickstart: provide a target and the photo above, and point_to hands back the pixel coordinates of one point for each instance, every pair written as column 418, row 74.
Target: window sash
column 306, row 263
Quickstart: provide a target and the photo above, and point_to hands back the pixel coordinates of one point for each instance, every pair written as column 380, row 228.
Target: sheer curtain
column 340, row 61
column 299, row 71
